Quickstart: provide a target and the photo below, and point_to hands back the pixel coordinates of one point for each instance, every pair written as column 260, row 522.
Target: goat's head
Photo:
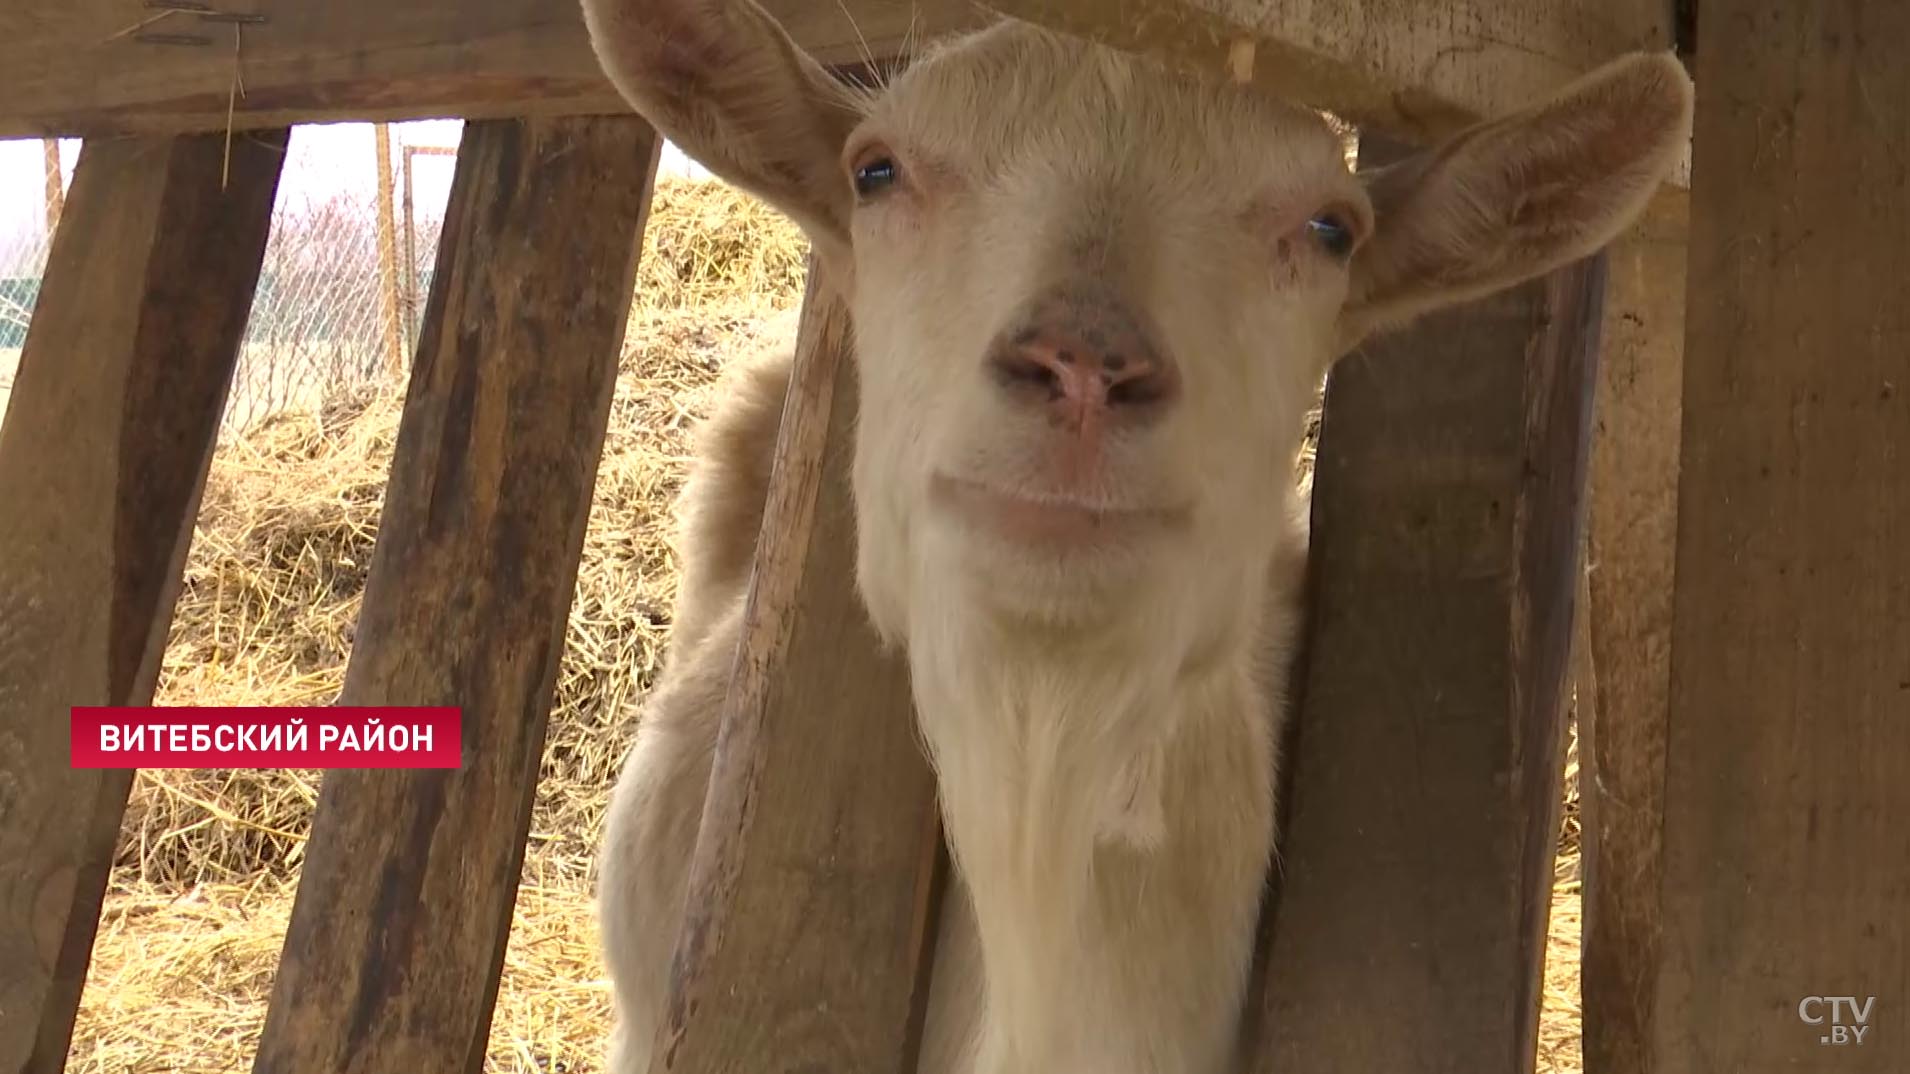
column 1093, row 298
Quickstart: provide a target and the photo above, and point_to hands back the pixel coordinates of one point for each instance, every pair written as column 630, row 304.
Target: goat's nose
column 1081, row 369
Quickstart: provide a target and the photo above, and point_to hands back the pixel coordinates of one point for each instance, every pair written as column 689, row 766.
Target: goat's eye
column 874, row 176
column 1333, row 233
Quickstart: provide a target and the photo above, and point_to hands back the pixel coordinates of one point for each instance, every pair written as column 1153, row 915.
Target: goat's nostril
column 1140, row 390
column 1083, row 367
column 1018, row 369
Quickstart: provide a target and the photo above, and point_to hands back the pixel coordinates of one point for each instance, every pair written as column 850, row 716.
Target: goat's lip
column 1051, row 518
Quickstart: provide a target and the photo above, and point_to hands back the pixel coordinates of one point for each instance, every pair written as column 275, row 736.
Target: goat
column 1093, row 298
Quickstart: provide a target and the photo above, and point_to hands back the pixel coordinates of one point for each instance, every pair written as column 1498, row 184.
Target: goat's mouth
column 1052, row 520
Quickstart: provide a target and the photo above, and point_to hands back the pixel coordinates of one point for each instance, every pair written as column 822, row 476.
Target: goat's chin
column 1050, row 527
column 1048, row 559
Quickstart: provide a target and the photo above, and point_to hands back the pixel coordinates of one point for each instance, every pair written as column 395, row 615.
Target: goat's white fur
column 1102, row 723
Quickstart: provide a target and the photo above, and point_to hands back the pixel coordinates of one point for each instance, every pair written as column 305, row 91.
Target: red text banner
column 317, row 737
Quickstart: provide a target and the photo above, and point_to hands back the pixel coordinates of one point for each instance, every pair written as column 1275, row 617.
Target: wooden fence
column 1745, row 773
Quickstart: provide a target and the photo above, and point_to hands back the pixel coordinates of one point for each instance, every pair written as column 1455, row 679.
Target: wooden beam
column 388, row 284
column 398, row 934
column 1414, row 70
column 79, row 67
column 818, row 866
column 1630, row 538
column 103, row 455
column 1408, row 926
column 55, row 184
column 1787, row 771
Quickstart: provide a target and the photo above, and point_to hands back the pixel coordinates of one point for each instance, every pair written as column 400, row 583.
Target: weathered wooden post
column 398, row 934
column 1786, row 868
column 108, row 436
column 1408, row 925
column 1631, row 534
column 814, row 893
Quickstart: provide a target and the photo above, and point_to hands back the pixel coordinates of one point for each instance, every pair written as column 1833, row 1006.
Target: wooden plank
column 1786, row 847
column 55, row 188
column 408, row 272
column 397, row 937
column 103, row 454
column 818, row 867
column 1408, row 926
column 1630, row 540
column 388, row 251
column 1414, row 70
column 71, row 67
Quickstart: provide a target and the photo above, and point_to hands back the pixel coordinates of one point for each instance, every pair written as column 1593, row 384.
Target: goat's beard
column 1041, row 747
column 1051, row 746
column 1051, row 707
column 1059, row 694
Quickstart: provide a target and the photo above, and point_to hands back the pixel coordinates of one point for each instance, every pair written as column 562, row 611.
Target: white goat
column 1092, row 300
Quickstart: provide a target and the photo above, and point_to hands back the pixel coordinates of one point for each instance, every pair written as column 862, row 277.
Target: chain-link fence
column 32, row 195
column 354, row 235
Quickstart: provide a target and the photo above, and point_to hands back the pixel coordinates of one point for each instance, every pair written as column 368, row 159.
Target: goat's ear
column 1519, row 196
column 723, row 81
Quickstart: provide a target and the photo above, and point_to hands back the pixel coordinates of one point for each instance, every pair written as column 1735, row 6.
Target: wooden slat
column 103, row 454
column 1413, row 69
column 66, row 67
column 55, row 186
column 1409, row 920
column 404, row 905
column 394, row 357
column 1630, row 537
column 818, row 867
column 1787, row 773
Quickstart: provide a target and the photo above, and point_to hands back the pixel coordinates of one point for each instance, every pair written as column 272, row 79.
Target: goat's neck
column 1107, row 801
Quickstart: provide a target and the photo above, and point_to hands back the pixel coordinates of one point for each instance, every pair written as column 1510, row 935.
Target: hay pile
column 1560, row 1016
column 202, row 889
